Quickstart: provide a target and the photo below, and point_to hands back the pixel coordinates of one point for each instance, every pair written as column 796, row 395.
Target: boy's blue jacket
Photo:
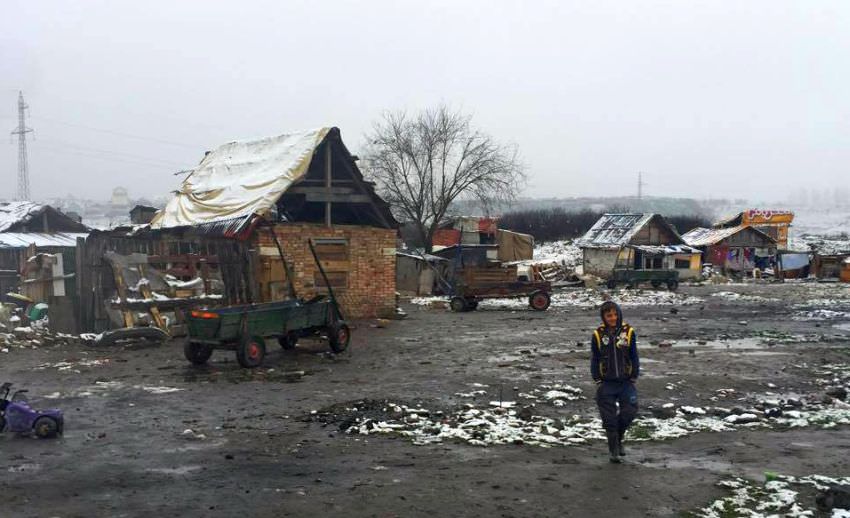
column 614, row 355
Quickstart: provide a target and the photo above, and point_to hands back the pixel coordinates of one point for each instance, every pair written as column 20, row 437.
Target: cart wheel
column 288, row 341
column 338, row 337
column 458, row 304
column 672, row 285
column 656, row 284
column 197, row 353
column 250, row 352
column 611, row 284
column 45, row 427
column 2, row 423
column 539, row 300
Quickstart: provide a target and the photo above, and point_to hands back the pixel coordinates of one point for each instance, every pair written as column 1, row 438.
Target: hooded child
column 615, row 367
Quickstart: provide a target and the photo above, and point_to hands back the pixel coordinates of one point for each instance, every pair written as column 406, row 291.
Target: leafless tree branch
column 422, row 164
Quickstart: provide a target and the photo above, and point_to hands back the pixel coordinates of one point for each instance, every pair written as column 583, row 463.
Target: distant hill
column 709, row 209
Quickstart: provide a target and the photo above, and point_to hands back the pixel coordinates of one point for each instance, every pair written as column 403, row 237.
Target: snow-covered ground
column 778, row 496
column 585, row 298
column 565, row 253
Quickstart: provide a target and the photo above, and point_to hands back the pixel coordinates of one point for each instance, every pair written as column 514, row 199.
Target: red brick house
column 301, row 186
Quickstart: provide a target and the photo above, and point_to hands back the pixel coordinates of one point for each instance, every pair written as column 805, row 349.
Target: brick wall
column 370, row 280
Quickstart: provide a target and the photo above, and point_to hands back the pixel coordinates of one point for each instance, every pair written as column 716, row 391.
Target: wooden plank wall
column 95, row 280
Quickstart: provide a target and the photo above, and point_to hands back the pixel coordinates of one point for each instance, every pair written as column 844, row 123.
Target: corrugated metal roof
column 711, row 236
column 12, row 212
column 39, row 239
column 614, row 230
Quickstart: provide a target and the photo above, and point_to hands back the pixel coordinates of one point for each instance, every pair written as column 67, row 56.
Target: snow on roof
column 613, row 230
column 39, row 239
column 12, row 212
column 665, row 249
column 240, row 179
column 711, row 236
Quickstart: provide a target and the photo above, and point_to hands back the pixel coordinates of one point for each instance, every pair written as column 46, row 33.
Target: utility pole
column 640, row 186
column 21, row 131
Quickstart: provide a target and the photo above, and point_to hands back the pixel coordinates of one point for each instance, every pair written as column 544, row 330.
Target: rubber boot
column 620, row 449
column 613, row 445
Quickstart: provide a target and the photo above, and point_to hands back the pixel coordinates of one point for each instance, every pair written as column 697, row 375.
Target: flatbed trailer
column 466, row 297
column 244, row 328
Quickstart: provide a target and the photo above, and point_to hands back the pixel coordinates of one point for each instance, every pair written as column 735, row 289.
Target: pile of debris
column 30, row 337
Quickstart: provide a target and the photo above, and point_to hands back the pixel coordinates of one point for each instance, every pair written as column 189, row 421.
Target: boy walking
column 614, row 366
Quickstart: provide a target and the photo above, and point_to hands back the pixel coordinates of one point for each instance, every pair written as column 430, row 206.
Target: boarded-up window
column 337, row 280
column 331, row 250
column 333, row 254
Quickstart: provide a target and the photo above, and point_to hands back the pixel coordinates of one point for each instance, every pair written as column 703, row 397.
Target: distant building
column 734, row 249
column 774, row 223
column 646, row 241
column 120, row 198
column 142, row 214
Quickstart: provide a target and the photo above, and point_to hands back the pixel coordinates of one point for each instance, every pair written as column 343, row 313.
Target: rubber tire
column 457, row 304
column 250, row 352
column 611, row 284
column 197, row 354
column 539, row 301
column 339, row 336
column 45, row 427
column 288, row 342
column 672, row 285
column 656, row 284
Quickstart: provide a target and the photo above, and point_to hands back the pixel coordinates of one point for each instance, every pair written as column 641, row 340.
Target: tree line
column 556, row 223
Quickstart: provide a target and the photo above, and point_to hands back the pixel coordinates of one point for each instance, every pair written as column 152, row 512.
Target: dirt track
column 254, row 449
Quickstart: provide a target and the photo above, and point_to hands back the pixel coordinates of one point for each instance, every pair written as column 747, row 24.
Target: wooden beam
column 329, row 198
column 303, row 189
column 328, row 171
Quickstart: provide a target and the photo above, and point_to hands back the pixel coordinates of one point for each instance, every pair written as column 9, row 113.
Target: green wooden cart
column 245, row 328
column 634, row 278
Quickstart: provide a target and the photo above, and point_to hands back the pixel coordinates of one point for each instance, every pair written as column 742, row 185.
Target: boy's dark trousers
column 608, row 394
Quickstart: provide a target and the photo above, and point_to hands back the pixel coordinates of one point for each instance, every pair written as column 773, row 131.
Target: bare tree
column 421, row 164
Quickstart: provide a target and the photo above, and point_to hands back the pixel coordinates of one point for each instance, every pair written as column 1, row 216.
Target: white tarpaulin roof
column 240, row 179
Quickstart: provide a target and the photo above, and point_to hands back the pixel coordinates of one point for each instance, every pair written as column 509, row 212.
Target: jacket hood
column 605, row 307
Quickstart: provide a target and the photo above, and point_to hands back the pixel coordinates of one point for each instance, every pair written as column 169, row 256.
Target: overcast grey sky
column 709, row 98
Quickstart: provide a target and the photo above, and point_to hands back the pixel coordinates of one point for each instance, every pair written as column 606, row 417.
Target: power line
column 71, row 145
column 100, row 157
column 120, row 133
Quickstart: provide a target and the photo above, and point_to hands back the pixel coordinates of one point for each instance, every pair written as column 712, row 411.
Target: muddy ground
column 147, row 434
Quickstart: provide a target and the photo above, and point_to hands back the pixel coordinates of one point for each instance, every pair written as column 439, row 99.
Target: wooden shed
column 734, row 249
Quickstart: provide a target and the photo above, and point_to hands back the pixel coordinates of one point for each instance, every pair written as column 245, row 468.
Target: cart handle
column 286, row 268
column 325, row 277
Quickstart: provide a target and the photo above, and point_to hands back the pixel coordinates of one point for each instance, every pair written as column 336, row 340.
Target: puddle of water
column 713, row 465
column 240, row 375
column 24, row 468
column 181, row 470
column 735, row 343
